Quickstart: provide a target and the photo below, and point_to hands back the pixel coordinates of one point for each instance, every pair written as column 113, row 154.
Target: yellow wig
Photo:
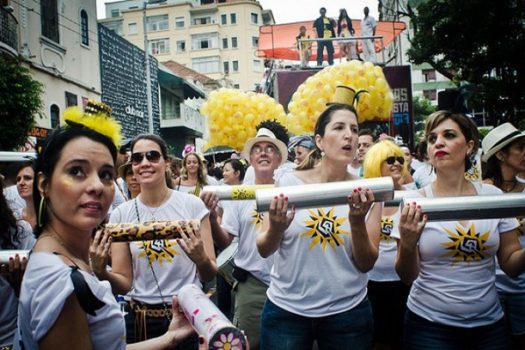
column 96, row 117
column 377, row 154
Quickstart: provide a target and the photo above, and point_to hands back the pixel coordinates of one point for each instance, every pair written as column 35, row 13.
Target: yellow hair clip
column 97, row 117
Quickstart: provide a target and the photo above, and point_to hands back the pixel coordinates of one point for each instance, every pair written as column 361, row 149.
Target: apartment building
column 58, row 41
column 215, row 38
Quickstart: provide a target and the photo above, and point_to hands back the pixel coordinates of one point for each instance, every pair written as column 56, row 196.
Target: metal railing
column 346, row 40
column 8, row 29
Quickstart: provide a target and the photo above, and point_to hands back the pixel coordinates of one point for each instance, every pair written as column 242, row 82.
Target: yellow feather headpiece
column 97, row 117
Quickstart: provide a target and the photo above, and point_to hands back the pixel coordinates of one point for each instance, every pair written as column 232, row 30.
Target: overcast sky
column 285, row 11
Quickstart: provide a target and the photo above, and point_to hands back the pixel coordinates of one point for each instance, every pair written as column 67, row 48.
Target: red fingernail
column 355, row 190
column 281, row 195
column 201, row 340
column 11, row 259
column 285, row 198
column 359, row 188
column 414, row 203
column 275, row 197
column 419, row 207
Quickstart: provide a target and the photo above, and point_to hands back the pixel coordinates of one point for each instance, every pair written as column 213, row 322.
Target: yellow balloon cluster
column 311, row 96
column 233, row 115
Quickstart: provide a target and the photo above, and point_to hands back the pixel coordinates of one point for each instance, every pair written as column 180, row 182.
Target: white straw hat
column 498, row 138
column 266, row 135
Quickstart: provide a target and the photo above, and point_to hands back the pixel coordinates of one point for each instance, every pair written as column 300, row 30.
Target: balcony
column 184, row 117
column 8, row 32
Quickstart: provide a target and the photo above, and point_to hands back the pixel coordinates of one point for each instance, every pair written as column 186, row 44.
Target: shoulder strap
column 88, row 301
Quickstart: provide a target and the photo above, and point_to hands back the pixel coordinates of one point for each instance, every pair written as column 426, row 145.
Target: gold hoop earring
column 41, row 208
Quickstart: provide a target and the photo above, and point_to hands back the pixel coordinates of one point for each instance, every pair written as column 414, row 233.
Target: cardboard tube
column 150, row 230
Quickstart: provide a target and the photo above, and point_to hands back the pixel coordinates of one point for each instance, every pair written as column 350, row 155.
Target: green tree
column 19, row 102
column 422, row 109
column 481, row 42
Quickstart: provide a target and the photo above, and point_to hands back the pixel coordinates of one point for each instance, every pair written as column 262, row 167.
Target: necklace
column 153, row 211
column 71, row 257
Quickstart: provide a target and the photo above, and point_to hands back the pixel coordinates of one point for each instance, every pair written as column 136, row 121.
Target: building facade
column 58, row 40
column 217, row 39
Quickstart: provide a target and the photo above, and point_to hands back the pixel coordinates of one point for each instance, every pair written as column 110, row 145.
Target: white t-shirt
column 355, row 171
column 9, row 301
column 241, row 220
column 367, row 26
column 172, row 267
column 14, row 201
column 456, row 281
column 46, row 286
column 384, row 268
column 313, row 273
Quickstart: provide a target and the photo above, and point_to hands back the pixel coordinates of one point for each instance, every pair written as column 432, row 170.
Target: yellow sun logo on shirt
column 325, row 229
column 467, row 246
column 387, row 224
column 257, row 218
column 159, row 250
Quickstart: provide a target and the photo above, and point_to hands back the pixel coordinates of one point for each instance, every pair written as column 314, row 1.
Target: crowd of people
column 357, row 276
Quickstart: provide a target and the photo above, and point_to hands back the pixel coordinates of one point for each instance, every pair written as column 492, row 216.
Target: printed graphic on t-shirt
column 325, row 229
column 257, row 218
column 387, row 224
column 467, row 245
column 159, row 250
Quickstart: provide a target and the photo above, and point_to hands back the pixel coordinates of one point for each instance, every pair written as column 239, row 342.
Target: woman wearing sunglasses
column 387, row 294
column 453, row 302
column 150, row 272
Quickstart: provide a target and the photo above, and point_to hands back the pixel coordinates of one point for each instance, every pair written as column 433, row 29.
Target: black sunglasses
column 391, row 160
column 152, row 156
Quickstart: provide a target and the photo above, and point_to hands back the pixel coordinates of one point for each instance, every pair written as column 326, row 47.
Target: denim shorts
column 283, row 330
column 421, row 334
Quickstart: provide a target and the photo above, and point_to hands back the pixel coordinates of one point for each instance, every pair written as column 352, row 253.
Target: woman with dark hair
column 233, row 171
column 62, row 304
column 345, row 30
column 453, row 303
column 24, row 185
column 149, row 272
column 504, row 154
column 14, row 235
column 321, row 255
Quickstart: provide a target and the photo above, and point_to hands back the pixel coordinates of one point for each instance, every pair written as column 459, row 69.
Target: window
column 234, row 42
column 236, row 86
column 209, row 64
column 255, row 41
column 224, row 19
column 132, row 28
column 115, row 12
column 233, row 18
column 199, row 21
column 71, row 99
column 205, row 41
column 235, row 65
column 84, row 29
column 157, row 23
column 49, row 18
column 430, row 94
column 114, row 26
column 255, row 18
column 181, row 46
column 429, row 75
column 54, row 113
column 257, row 66
column 179, row 22
column 226, row 66
column 159, row 46
column 224, row 43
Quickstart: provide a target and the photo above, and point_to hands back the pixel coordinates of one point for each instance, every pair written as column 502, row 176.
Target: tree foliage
column 479, row 41
column 19, row 102
column 422, row 109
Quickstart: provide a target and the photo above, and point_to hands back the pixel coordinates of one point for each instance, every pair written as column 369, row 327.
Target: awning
column 278, row 41
column 169, row 79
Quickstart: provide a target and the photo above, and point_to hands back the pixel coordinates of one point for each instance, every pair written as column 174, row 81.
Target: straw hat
column 122, row 169
column 265, row 135
column 498, row 138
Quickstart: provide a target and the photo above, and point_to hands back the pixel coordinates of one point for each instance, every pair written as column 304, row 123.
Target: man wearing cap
column 241, row 220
